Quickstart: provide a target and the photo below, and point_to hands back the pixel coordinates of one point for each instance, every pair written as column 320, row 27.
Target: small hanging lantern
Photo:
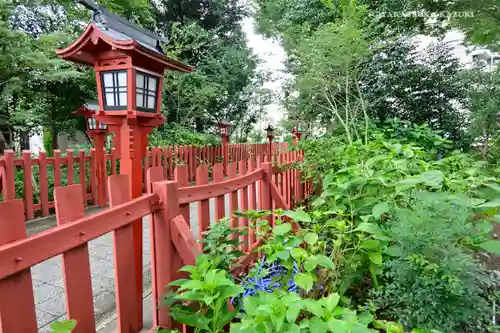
column 93, row 126
column 270, row 131
column 224, row 128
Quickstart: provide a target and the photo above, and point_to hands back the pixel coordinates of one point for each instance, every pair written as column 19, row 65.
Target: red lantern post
column 224, row 131
column 129, row 65
column 97, row 131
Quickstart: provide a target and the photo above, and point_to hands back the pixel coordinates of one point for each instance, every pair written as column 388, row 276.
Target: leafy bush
column 435, row 282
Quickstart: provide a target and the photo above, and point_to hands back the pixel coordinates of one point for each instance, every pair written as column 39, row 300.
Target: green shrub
column 435, row 281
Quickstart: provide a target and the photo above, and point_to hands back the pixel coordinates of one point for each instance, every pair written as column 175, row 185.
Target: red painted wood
column 278, row 198
column 265, row 189
column 192, row 163
column 154, row 175
column 93, row 176
column 9, row 191
column 164, row 254
column 204, row 192
column 83, row 173
column 203, row 205
column 44, row 245
column 57, row 168
column 220, row 207
column 181, row 176
column 146, row 163
column 113, row 161
column 165, row 162
column 126, row 305
column 17, row 303
column 243, row 194
column 75, row 263
column 44, row 185
column 28, row 185
column 171, row 155
column 183, row 240
column 132, row 150
column 252, row 203
column 70, row 171
column 233, row 197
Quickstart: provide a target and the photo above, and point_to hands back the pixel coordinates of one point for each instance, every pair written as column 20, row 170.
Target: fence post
column 164, row 256
column 28, row 185
column 10, row 175
column 266, row 189
column 17, row 303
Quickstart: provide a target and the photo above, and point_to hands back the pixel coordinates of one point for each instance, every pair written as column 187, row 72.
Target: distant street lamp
column 270, row 136
column 224, row 129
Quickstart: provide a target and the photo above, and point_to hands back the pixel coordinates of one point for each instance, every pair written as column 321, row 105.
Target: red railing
column 34, row 178
column 173, row 244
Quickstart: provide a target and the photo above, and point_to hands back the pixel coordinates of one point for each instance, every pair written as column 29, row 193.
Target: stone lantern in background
column 224, row 129
column 129, row 64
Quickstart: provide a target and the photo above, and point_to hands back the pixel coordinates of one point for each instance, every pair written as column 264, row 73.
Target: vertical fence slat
column 17, row 303
column 126, row 304
column 93, row 176
column 181, row 176
column 9, row 191
column 203, row 205
column 266, row 189
column 164, row 254
column 44, row 185
column 244, row 206
column 113, row 162
column 76, row 265
column 252, row 203
column 70, row 170
column 57, row 168
column 82, row 175
column 153, row 175
column 233, row 196
column 28, row 185
column 220, row 206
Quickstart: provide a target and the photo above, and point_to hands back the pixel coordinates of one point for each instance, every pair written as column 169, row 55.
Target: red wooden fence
column 173, row 244
column 33, row 178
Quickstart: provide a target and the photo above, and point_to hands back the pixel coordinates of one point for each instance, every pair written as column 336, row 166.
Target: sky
column 273, row 56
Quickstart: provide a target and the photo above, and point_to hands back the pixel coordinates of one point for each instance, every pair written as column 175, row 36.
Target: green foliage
column 175, row 134
column 63, row 326
column 435, row 282
column 280, row 312
column 209, row 285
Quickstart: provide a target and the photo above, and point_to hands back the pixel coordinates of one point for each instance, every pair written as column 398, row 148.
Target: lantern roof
column 88, row 109
column 110, row 32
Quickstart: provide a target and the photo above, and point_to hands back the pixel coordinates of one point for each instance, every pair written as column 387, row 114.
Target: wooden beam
column 183, row 240
column 279, row 201
column 204, row 192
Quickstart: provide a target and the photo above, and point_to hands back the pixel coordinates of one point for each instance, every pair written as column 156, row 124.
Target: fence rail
column 259, row 185
column 33, row 179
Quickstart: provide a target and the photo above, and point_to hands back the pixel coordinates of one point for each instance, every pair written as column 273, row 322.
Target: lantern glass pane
column 123, row 99
column 153, row 83
column 122, row 79
column 108, row 80
column 146, row 91
column 110, row 99
column 139, row 100
column 115, row 89
column 139, row 81
column 151, row 102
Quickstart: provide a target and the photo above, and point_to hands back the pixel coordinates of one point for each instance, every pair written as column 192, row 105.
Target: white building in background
column 485, row 58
